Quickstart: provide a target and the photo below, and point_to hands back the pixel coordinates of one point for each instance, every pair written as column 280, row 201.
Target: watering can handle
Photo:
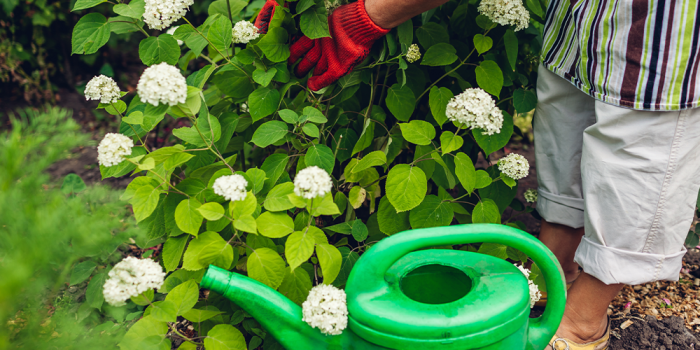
column 374, row 264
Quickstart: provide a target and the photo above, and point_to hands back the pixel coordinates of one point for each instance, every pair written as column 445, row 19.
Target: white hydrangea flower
column 332, row 5
column 103, row 89
column 477, row 110
column 244, row 108
column 131, row 277
column 326, row 309
column 312, row 182
column 506, row 12
column 113, row 148
column 160, row 14
column 530, row 195
column 413, row 53
column 244, row 32
column 162, row 83
column 231, row 187
column 514, row 166
column 535, row 294
column 171, row 31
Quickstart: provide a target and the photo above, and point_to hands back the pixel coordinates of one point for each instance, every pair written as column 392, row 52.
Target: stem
column 386, row 77
column 132, row 128
column 228, row 5
column 160, row 177
column 209, row 146
column 217, row 50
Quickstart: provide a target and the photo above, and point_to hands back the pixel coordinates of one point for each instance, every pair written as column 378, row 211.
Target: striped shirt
column 639, row 54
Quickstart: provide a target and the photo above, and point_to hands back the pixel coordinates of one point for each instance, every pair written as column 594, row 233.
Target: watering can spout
column 278, row 315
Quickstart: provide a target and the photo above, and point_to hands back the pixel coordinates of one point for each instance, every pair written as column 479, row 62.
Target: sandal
column 558, row 343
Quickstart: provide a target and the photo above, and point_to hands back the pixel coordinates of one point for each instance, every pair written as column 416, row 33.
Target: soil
column 652, row 334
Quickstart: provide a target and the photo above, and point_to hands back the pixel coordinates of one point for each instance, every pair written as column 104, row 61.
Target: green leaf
column 325, row 206
column 220, row 34
column 349, row 260
column 524, row 100
column 391, row 222
column 431, row 34
column 299, row 248
column 289, row 116
column 224, row 337
column 263, row 77
column 86, row 4
column 311, row 130
column 191, row 107
column 144, row 202
column 72, row 183
column 330, row 260
column 134, row 9
column 492, row 143
column 274, row 44
column 246, row 223
column 220, row 7
column 184, row 296
column 359, row 231
column 432, row 212
column 489, row 77
column 314, row 24
column 320, row 156
column 534, row 6
column 93, row 293
column 484, row 22
column 418, row 132
column 116, row 108
column 482, row 43
column 486, row 211
column 187, row 217
column 450, row 142
column 304, row 5
column 172, row 252
column 263, row 102
column 406, row 187
column 692, row 239
column 82, row 271
column 343, row 142
column 438, row 99
column 439, row 55
column 314, row 115
column 405, row 31
column 211, row 211
column 375, row 158
column 144, row 298
column 278, row 198
column 157, row 49
column 269, row 133
column 511, row 43
column 296, row 285
column 165, row 311
column 401, row 101
column 146, row 328
column 482, row 179
column 365, row 138
column 197, row 315
column 266, row 266
column 208, row 247
column 498, row 250
column 275, row 225
column 464, row 169
column 90, row 33
column 274, row 165
column 357, row 196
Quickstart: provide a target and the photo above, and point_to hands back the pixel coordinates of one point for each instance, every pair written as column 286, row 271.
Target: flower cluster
column 506, row 12
column 530, row 195
column 162, row 83
column 535, row 294
column 131, row 277
column 312, row 182
column 244, row 32
column 514, row 166
column 244, row 108
column 160, row 14
column 231, row 187
column 332, row 5
column 113, row 148
column 102, row 88
column 477, row 110
column 326, row 309
column 171, row 31
column 413, row 53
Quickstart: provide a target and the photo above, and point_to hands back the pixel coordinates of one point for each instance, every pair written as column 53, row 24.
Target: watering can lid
column 493, row 308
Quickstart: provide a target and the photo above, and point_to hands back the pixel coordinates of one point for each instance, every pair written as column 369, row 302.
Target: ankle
column 571, row 274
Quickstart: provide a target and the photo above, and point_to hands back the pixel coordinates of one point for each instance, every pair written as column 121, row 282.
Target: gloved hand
column 262, row 22
column 352, row 36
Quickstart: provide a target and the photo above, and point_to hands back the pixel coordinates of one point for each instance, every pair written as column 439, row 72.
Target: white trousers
column 630, row 178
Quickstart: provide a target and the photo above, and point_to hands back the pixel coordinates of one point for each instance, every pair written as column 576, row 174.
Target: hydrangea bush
column 289, row 186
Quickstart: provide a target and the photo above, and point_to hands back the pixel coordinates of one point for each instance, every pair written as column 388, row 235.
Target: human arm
column 390, row 13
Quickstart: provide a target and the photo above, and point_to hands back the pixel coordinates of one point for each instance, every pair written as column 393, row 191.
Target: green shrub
column 381, row 132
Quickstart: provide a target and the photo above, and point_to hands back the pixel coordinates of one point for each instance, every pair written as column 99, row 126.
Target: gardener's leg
column 562, row 115
column 641, row 177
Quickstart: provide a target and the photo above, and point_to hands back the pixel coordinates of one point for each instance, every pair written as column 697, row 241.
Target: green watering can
column 402, row 297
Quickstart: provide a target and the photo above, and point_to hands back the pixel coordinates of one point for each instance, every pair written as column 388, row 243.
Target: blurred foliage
column 45, row 232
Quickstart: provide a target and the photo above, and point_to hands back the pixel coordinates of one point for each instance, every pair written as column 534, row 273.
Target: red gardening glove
column 352, row 36
column 262, row 22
